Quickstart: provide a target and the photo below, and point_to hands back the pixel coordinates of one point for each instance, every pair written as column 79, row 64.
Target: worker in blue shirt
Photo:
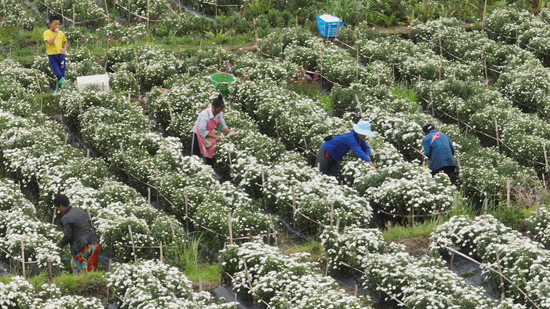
column 439, row 149
column 336, row 147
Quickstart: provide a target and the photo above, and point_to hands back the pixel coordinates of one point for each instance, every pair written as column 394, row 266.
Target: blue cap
column 363, row 128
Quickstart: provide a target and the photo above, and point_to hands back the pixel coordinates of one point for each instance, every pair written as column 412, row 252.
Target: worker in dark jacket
column 439, row 149
column 77, row 229
column 334, row 149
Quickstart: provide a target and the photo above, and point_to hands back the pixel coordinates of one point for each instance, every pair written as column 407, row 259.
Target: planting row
column 280, row 281
column 522, row 261
column 391, row 274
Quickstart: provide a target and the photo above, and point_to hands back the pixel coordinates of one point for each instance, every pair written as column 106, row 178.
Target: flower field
column 123, row 157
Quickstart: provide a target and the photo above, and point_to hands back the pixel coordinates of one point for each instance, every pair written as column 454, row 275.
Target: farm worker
column 204, row 138
column 77, row 230
column 439, row 149
column 336, row 147
column 54, row 39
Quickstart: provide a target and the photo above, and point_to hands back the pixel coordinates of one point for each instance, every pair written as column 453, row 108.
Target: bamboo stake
column 496, row 131
column 293, row 207
column 216, row 6
column 538, row 205
column 389, row 232
column 66, row 138
column 503, row 294
column 273, row 228
column 148, row 10
column 356, row 288
column 160, row 247
column 305, row 143
column 296, row 21
column 148, row 196
column 50, row 277
column 281, row 43
column 80, row 104
column 107, row 11
column 451, row 261
column 39, row 88
column 508, row 192
column 337, row 29
column 186, row 212
column 62, row 15
column 255, row 31
column 179, row 5
column 41, row 104
column 483, row 19
column 331, row 214
column 230, row 161
column 23, row 256
column 74, row 14
column 358, row 104
column 486, row 206
column 200, row 46
column 133, row 244
column 545, row 156
column 230, row 228
column 200, row 284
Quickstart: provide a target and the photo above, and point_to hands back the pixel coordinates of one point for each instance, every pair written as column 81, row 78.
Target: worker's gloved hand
column 218, row 138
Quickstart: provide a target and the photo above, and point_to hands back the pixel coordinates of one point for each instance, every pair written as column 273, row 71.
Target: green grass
column 85, row 283
column 313, row 247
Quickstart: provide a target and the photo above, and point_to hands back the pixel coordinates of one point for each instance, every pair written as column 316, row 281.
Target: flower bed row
column 521, row 260
column 539, row 226
column 35, row 151
column 251, row 152
column 280, row 281
column 391, row 274
column 121, row 133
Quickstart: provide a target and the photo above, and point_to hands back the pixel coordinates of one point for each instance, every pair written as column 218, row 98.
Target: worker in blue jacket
column 439, row 149
column 336, row 147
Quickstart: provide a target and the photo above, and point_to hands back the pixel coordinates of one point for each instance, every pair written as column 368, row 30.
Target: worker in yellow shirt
column 54, row 39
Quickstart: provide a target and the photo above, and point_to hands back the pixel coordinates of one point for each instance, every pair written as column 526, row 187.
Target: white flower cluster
column 539, row 226
column 18, row 227
column 14, row 76
column 85, row 10
column 523, row 261
column 279, row 280
column 423, row 284
column 153, row 284
column 13, row 13
column 106, row 122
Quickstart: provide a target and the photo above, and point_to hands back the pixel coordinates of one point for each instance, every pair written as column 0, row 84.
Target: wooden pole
column 88, row 153
column 483, row 18
column 451, row 261
column 255, row 31
column 74, row 15
column 160, row 247
column 148, row 10
column 293, row 207
column 61, row 9
column 486, row 206
column 496, row 131
column 133, row 244
column 508, row 192
column 80, row 104
column 281, row 43
column 389, row 232
column 545, row 156
column 331, row 214
column 230, row 161
column 200, row 46
column 148, row 196
column 107, row 11
column 186, row 212
column 66, row 138
column 273, row 228
column 296, row 21
column 358, row 104
column 337, row 29
column 23, row 256
column 538, row 205
column 503, row 294
column 39, row 88
column 356, row 288
column 200, row 284
column 50, row 277
column 216, row 6
column 41, row 100
column 230, row 228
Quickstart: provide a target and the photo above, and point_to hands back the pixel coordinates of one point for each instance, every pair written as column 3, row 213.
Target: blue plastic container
column 328, row 24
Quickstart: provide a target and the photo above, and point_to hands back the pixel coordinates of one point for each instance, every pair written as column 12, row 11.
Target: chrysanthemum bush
column 522, row 261
column 518, row 74
column 403, row 188
column 424, row 283
column 86, row 10
column 156, row 285
column 539, row 226
column 158, row 161
column 521, row 27
column 297, row 46
column 14, row 14
column 14, row 73
column 351, row 246
column 18, row 226
column 19, row 293
column 282, row 280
